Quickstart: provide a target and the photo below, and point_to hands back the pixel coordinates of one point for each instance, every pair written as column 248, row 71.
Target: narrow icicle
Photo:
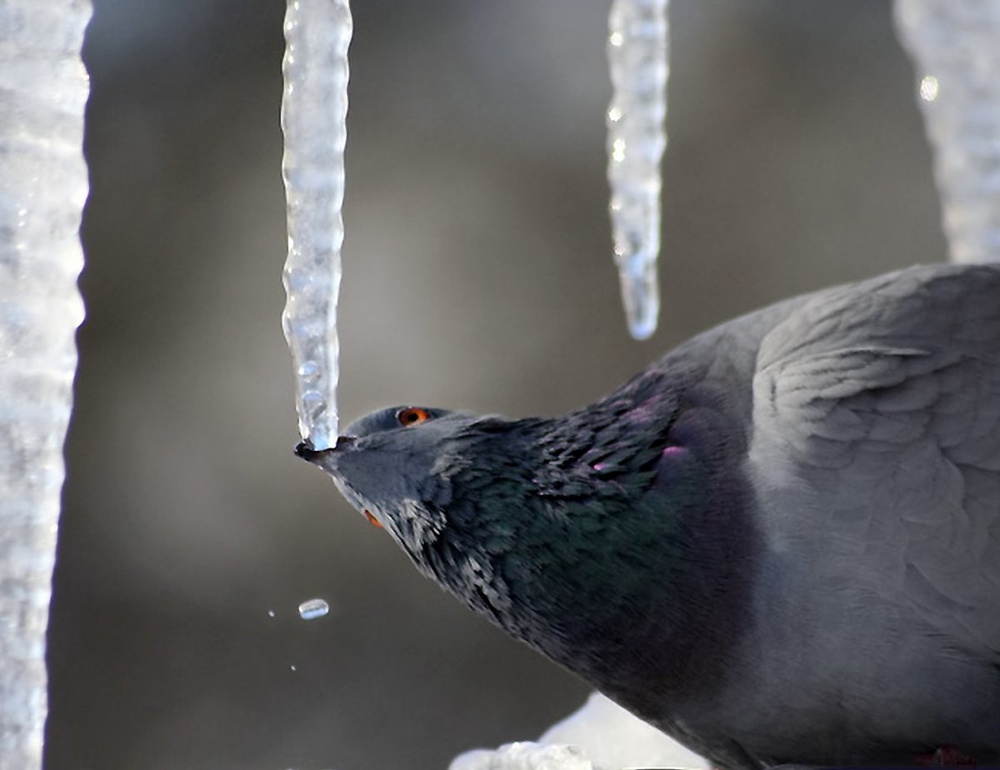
column 955, row 47
column 313, row 119
column 638, row 58
column 43, row 185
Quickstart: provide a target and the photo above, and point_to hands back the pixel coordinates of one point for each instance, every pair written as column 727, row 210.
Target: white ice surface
column 600, row 736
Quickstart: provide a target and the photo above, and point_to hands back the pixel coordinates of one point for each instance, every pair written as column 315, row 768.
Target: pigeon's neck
column 619, row 544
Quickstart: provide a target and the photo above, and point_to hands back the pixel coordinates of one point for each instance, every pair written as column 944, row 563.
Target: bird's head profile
column 397, row 467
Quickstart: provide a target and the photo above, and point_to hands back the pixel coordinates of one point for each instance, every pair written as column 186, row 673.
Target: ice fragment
column 313, row 608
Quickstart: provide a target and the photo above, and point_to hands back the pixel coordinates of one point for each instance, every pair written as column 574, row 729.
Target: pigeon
column 779, row 544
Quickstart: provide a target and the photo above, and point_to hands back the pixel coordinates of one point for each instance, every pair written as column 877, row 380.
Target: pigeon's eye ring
column 412, row 415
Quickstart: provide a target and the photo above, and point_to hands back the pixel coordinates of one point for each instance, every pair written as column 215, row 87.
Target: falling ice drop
column 313, row 120
column 637, row 56
column 313, row 608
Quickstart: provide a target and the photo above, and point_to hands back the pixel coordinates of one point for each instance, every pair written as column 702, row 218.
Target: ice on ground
column 600, row 736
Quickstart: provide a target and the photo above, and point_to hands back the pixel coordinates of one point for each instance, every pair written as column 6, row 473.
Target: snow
column 599, row 736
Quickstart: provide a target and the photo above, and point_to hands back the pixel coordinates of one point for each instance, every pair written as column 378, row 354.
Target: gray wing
column 876, row 437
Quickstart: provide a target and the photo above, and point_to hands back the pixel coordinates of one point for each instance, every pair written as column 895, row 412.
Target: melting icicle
column 43, row 184
column 313, row 608
column 955, row 47
column 637, row 55
column 313, row 119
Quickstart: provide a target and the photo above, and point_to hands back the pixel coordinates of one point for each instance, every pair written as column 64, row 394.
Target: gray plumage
column 780, row 543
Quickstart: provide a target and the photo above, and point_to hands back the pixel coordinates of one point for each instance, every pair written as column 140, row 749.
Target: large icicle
column 955, row 47
column 638, row 58
column 43, row 185
column 313, row 119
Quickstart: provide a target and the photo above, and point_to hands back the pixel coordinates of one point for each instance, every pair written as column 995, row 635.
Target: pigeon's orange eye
column 412, row 415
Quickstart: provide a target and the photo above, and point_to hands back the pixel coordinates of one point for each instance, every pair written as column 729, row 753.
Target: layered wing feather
column 876, row 408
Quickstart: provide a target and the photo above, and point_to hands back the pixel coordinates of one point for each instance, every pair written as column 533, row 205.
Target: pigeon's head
column 399, row 467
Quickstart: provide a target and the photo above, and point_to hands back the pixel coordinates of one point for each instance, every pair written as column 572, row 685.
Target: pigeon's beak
column 307, row 452
column 304, row 449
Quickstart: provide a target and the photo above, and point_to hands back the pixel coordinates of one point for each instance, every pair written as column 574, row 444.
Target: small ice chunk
column 271, row 613
column 313, row 608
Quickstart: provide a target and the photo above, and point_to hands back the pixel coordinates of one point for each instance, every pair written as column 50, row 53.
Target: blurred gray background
column 477, row 275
